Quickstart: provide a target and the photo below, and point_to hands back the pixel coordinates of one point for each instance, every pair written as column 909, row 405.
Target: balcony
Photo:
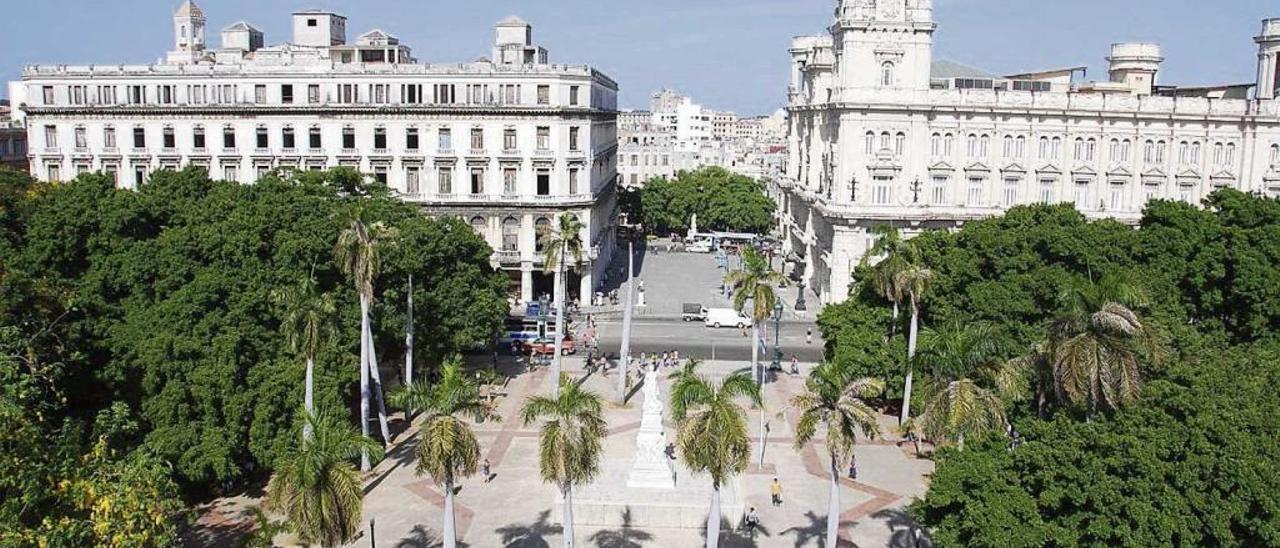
column 230, row 151
column 507, row 257
column 315, row 152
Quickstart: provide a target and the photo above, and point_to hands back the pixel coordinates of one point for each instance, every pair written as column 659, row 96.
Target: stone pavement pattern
column 517, row 509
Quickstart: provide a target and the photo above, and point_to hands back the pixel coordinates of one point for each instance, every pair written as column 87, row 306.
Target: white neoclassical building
column 880, row 133
column 508, row 142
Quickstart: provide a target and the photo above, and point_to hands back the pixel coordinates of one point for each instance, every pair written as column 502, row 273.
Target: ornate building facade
column 880, row 133
column 508, row 143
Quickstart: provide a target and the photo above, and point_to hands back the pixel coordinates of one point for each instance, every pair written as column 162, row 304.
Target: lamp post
column 777, row 322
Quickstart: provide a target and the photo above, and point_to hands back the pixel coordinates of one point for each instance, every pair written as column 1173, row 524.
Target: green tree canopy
column 721, row 199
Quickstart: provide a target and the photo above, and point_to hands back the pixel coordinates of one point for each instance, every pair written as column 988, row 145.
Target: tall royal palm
column 447, row 448
column 571, row 440
column 713, row 436
column 309, row 320
column 316, row 487
column 969, row 382
column 834, row 401
column 563, row 249
column 755, row 284
column 910, row 284
column 357, row 253
column 895, row 254
column 1098, row 342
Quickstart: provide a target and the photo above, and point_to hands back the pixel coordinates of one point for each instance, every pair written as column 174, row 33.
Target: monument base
column 611, row 503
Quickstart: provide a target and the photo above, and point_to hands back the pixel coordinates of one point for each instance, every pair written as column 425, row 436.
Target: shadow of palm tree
column 532, row 535
column 424, row 537
column 814, row 531
column 625, row 537
column 906, row 533
column 739, row 536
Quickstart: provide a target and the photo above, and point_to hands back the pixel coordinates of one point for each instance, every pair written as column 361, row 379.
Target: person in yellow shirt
column 775, row 489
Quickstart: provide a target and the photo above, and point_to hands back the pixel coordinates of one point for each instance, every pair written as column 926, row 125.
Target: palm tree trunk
column 568, row 515
column 758, row 368
column 833, row 505
column 308, row 402
column 376, row 388
column 408, row 339
column 893, row 328
column 911, row 355
column 450, row 539
column 559, row 338
column 713, row 517
column 364, row 379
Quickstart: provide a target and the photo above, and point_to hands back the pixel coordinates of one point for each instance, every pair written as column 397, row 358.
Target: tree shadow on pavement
column 424, row 537
column 624, row 537
column 815, row 531
column 738, row 537
column 906, row 533
column 532, row 535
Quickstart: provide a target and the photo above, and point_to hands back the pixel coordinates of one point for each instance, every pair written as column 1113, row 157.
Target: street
column 695, row 340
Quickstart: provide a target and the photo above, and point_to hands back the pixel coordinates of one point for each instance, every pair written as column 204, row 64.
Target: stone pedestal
column 652, row 468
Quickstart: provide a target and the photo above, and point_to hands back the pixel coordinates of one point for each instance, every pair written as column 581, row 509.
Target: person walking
column 485, row 471
column 853, row 467
column 808, row 336
column 795, row 365
column 775, row 492
column 752, row 521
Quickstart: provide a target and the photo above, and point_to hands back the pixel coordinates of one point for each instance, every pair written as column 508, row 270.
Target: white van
column 726, row 317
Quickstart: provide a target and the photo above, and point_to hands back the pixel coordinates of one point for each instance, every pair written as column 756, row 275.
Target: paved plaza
column 517, row 509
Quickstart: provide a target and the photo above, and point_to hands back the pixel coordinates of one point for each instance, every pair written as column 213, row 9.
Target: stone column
column 587, row 284
column 526, row 283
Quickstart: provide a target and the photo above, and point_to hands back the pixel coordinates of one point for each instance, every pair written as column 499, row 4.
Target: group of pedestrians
column 658, row 361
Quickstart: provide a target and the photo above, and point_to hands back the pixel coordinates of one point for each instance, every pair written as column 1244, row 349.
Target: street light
column 777, row 321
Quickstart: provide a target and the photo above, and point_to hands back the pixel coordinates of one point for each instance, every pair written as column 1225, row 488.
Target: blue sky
column 727, row 54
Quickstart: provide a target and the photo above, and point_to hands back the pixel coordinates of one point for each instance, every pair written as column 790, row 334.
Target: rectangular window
column 1011, row 191
column 109, row 138
column 544, row 138
column 139, row 176
column 313, row 94
column 544, row 95
column 167, row 140
column 976, row 185
column 348, row 93
column 228, row 138
column 381, row 94
column 287, row 139
column 544, row 183
column 1118, row 195
column 411, row 139
column 477, row 181
column 139, row 138
column 82, row 141
column 380, row 175
column 881, row 190
column 77, row 95
column 260, row 94
column 1151, row 192
column 1081, row 197
column 315, row 139
column 509, row 181
column 55, row 172
column 509, row 139
column 411, row 179
column 348, row 138
column 263, row 139
column 573, row 95
column 446, row 180
column 380, row 139
column 411, row 94
column 197, row 138
column 573, row 182
column 510, row 94
column 477, row 138
column 137, row 95
column 230, row 173
column 573, row 139
column 48, row 95
column 938, row 192
column 442, row 94
column 1046, row 191
column 445, row 140
column 50, row 137
column 286, row 94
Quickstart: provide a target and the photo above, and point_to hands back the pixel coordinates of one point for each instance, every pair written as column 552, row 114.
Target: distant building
column 881, row 133
column 507, row 143
column 13, row 141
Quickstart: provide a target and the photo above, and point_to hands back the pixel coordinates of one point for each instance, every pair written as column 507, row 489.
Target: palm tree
column 969, row 382
column 755, row 283
column 571, row 440
column 357, row 253
column 447, row 447
column 1098, row 342
column 835, row 401
column 896, row 255
column 315, row 485
column 309, row 319
column 563, row 246
column 713, row 436
column 910, row 284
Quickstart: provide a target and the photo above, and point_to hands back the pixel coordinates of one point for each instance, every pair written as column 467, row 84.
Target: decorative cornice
column 337, row 111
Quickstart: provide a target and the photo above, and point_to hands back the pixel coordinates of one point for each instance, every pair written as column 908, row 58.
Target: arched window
column 1078, row 151
column 1090, row 149
column 935, row 145
column 541, row 230
column 886, row 74
column 1184, row 152
column 946, row 144
column 480, row 225
column 510, row 234
column 1057, row 148
column 985, row 146
column 1218, row 149
column 1149, row 152
column 1115, row 150
column 1195, row 152
column 1231, row 154
column 973, row 145
column 884, row 141
column 1124, row 150
column 1020, row 147
column 1160, row 149
column 1275, row 154
column 899, row 143
column 871, row 143
column 1044, row 148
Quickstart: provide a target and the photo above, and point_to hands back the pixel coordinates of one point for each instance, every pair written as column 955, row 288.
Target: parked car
column 700, row 246
column 726, row 317
column 693, row 312
column 547, row 346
